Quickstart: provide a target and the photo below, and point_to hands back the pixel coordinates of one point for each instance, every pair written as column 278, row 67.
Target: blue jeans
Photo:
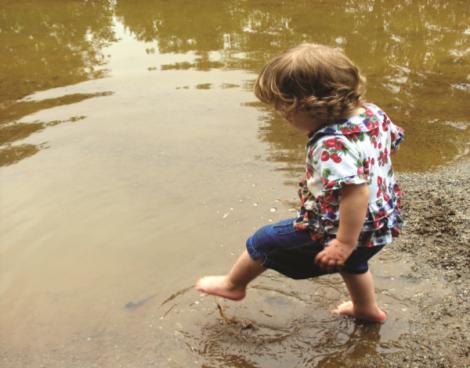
column 292, row 252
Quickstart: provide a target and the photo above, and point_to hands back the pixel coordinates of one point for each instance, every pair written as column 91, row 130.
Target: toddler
column 350, row 206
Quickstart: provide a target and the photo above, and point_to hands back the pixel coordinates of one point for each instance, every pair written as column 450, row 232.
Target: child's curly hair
column 314, row 78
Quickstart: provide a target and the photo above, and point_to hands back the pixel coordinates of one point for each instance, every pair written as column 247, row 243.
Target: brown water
column 135, row 158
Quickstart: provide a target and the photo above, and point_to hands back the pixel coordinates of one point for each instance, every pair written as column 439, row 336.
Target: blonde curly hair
column 314, row 78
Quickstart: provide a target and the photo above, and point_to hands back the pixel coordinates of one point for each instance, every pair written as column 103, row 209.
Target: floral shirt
column 352, row 151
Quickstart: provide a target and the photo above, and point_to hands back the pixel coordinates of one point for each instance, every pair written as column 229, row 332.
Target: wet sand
column 436, row 235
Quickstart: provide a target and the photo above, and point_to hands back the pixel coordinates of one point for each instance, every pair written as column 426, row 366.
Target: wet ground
column 134, row 158
column 437, row 238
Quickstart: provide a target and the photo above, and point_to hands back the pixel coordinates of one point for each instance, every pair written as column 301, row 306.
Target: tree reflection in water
column 415, row 57
column 414, row 54
column 46, row 44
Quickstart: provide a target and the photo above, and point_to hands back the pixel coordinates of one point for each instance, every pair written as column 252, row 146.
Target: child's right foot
column 347, row 309
column 219, row 286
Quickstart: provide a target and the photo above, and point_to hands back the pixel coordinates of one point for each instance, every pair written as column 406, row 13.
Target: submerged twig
column 222, row 314
column 244, row 324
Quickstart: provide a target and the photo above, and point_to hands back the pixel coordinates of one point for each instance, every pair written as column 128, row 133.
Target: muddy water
column 134, row 158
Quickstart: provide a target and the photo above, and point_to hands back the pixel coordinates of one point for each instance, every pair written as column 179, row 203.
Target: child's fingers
column 324, row 261
column 319, row 256
column 328, row 262
column 331, row 263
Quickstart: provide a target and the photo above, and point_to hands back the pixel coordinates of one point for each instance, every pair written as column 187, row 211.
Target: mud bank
column 437, row 235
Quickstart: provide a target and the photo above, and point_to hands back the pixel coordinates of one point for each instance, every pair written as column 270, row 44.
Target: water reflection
column 12, row 130
column 46, row 45
column 12, row 154
column 107, row 207
column 356, row 348
column 414, row 57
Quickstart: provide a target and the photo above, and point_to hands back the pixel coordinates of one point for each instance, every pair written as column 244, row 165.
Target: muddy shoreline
column 437, row 234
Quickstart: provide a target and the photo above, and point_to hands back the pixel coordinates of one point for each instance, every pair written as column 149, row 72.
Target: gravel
column 436, row 234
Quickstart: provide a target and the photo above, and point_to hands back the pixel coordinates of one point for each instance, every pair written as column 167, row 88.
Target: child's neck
column 316, row 128
column 358, row 110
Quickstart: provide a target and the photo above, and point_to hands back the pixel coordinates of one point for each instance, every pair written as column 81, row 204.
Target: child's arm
column 353, row 205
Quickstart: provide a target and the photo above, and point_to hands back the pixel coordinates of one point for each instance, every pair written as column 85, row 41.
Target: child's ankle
column 371, row 313
column 233, row 286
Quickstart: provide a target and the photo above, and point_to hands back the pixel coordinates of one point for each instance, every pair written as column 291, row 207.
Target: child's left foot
column 347, row 309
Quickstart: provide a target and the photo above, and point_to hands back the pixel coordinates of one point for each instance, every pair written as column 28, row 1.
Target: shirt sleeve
column 338, row 163
column 397, row 134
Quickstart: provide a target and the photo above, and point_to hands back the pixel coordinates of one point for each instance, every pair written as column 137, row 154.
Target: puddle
column 283, row 322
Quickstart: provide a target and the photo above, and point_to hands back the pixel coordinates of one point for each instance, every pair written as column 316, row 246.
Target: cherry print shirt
column 351, row 152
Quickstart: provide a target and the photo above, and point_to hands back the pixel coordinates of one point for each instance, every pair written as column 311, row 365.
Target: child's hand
column 353, row 205
column 334, row 255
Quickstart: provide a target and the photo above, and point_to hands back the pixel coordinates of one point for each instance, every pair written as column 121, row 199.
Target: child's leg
column 233, row 285
column 268, row 247
column 363, row 305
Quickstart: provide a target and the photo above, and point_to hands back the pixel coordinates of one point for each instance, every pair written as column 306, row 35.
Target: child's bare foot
column 220, row 286
column 347, row 309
